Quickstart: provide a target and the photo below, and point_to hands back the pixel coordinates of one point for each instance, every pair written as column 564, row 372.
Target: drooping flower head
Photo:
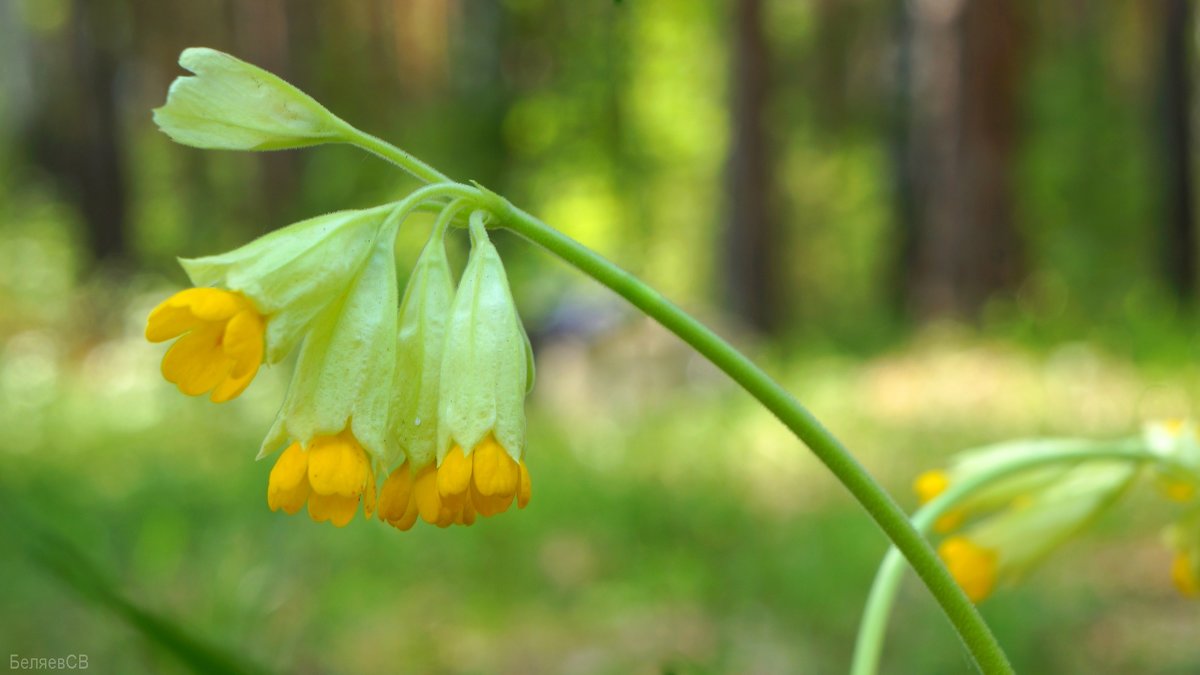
column 486, row 372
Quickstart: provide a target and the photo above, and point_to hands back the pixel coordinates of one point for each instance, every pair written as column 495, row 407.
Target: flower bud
column 232, row 105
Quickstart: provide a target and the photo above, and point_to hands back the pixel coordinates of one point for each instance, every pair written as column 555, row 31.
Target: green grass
column 674, row 528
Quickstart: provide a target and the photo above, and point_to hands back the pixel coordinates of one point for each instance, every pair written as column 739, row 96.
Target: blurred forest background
column 940, row 222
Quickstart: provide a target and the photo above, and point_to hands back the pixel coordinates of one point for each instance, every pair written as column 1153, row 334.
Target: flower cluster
column 428, row 390
column 1001, row 530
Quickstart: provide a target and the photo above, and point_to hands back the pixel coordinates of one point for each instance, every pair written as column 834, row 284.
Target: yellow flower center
column 222, row 344
column 463, row 487
column 1184, row 575
column 973, row 566
column 331, row 476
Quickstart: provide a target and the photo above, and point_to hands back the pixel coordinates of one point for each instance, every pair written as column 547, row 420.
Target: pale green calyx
column 232, row 105
column 487, row 368
column 1035, row 523
column 344, row 374
column 992, row 457
column 295, row 272
column 420, row 341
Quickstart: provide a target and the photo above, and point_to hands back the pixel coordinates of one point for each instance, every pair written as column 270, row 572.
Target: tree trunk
column 1179, row 242
column 750, row 235
column 89, row 156
column 961, row 246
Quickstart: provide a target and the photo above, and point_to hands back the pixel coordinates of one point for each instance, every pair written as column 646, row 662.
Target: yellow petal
column 168, row 321
column 336, row 509
column 287, row 487
column 425, row 494
column 454, row 475
column 243, row 345
column 396, row 494
column 337, row 465
column 209, row 304
column 405, row 522
column 931, row 484
column 488, row 506
column 525, row 490
column 973, row 566
column 196, row 363
column 494, row 472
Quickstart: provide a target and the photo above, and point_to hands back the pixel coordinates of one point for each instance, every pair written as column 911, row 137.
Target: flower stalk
column 869, row 644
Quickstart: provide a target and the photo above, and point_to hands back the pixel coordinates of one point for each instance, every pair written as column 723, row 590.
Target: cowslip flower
column 424, row 314
column 232, row 105
column 486, row 371
column 1006, row 545
column 253, row 304
column 221, row 346
column 335, row 414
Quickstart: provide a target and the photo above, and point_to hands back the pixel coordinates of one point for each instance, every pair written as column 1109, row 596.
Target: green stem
column 390, row 153
column 963, row 615
column 869, row 646
column 967, row 622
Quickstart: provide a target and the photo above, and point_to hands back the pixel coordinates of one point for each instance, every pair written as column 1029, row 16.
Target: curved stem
column 963, row 615
column 887, row 514
column 387, row 151
column 426, row 193
column 869, row 645
column 446, row 216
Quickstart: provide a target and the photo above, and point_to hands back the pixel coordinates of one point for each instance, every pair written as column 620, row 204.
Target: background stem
column 869, row 646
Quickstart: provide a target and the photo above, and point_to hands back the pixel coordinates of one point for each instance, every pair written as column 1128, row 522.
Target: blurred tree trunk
column 81, row 142
column 1179, row 242
column 751, row 236
column 262, row 35
column 961, row 245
